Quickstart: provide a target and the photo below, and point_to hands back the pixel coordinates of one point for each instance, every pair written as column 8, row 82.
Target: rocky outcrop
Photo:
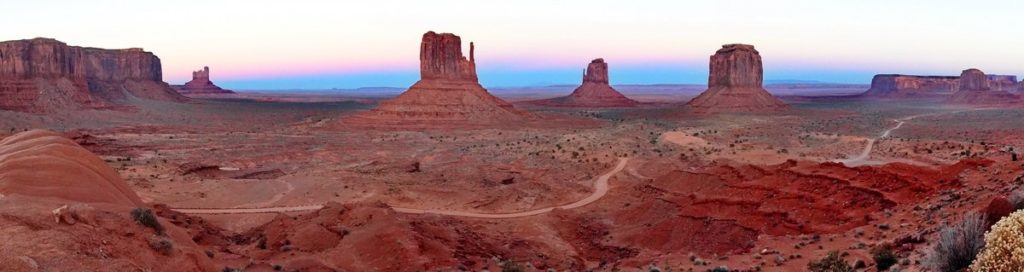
column 735, row 83
column 201, row 84
column 975, row 89
column 447, row 93
column 594, row 92
column 41, row 163
column 907, row 86
column 42, row 74
column 1003, row 82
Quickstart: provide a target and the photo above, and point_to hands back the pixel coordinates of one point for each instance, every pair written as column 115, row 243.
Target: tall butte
column 594, row 92
column 975, row 88
column 735, row 83
column 447, row 94
column 201, row 84
column 46, row 75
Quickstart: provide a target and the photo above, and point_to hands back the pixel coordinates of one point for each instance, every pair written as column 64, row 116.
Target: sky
column 263, row 45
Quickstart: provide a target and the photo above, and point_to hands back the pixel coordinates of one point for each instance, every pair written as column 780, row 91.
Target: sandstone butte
column 909, row 86
column 447, row 94
column 201, row 84
column 43, row 75
column 594, row 92
column 735, row 83
column 976, row 89
column 64, row 207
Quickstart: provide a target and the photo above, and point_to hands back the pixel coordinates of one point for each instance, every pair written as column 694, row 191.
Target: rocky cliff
column 42, row 74
column 910, row 86
column 735, row 83
column 906, row 86
column 1003, row 82
column 201, row 84
column 975, row 88
column 447, row 93
column 594, row 92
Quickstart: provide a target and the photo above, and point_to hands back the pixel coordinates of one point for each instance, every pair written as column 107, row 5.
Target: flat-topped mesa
column 447, row 95
column 49, row 58
column 41, row 75
column 975, row 88
column 441, row 58
column 201, row 84
column 908, row 86
column 735, row 83
column 1003, row 82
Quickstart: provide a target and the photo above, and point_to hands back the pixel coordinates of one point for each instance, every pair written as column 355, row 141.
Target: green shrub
column 830, row 263
column 884, row 257
column 145, row 217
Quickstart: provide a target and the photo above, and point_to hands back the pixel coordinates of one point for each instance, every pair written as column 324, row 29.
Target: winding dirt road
column 600, row 190
column 864, row 157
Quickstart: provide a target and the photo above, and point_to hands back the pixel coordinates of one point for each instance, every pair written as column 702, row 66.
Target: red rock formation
column 976, row 89
column 593, row 93
column 996, row 209
column 1003, row 82
column 905, row 86
column 735, row 83
column 447, row 93
column 66, row 208
column 41, row 75
column 201, row 84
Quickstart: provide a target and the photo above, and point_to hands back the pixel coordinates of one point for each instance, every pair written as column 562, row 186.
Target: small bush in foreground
column 145, row 217
column 958, row 245
column 1004, row 246
column 830, row 263
column 884, row 257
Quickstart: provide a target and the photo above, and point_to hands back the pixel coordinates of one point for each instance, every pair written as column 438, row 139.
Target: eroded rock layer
column 447, row 93
column 201, row 84
column 735, row 83
column 905, row 86
column 593, row 92
column 975, row 88
column 41, row 75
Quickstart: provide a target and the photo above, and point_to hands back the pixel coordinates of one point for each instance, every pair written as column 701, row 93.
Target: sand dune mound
column 735, row 83
column 447, row 94
column 41, row 163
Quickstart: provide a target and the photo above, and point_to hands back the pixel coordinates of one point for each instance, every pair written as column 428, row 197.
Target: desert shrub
column 510, row 266
column 958, row 245
column 161, row 244
column 1004, row 246
column 145, row 217
column 830, row 263
column 884, row 257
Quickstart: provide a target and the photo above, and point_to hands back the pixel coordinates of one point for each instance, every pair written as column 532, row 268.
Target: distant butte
column 910, row 86
column 735, row 83
column 201, row 84
column 975, row 88
column 45, row 75
column 447, row 94
column 594, row 92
